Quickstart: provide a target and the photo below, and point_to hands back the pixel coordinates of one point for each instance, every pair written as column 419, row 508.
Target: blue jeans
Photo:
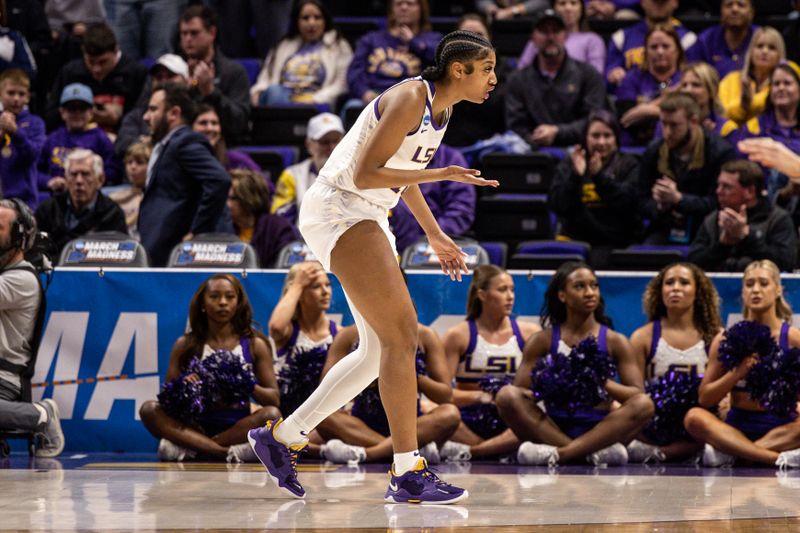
column 145, row 27
column 275, row 95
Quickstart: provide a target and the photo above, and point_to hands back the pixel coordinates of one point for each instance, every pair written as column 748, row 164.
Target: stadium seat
column 294, row 252
column 527, row 174
column 353, row 28
column 272, row 159
column 281, row 125
column 654, row 258
column 209, row 250
column 510, row 36
column 104, row 248
column 548, row 254
column 498, row 252
column 421, row 255
column 252, row 66
column 512, row 217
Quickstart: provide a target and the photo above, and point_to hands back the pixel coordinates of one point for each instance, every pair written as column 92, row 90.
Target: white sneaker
column 715, row 458
column 788, row 459
column 533, row 454
column 51, row 438
column 455, row 452
column 641, row 452
column 169, row 451
column 614, row 455
column 241, row 453
column 431, row 453
column 337, row 451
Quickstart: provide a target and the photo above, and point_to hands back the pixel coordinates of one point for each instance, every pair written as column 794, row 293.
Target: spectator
column 21, row 296
column 626, row 48
column 77, row 132
column 743, row 93
column 186, row 186
column 21, row 138
column 745, row 227
column 217, row 80
column 269, row 18
column 471, row 122
column 610, row 9
column 581, row 45
column 323, row 134
column 452, row 203
column 508, row 9
column 643, row 87
column 676, row 184
column 548, row 101
column 725, row 46
column 83, row 208
column 115, row 79
column 791, row 33
column 248, row 202
column 702, row 82
column 309, row 64
column 169, row 67
column 73, row 17
column 15, row 52
column 130, row 198
column 207, row 123
column 28, row 18
column 385, row 57
column 593, row 189
column 145, row 27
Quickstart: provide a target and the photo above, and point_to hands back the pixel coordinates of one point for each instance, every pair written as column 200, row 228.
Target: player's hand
column 772, row 154
column 467, row 175
column 450, row 255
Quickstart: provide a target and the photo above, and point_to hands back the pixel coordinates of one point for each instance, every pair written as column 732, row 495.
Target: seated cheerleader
column 483, row 354
column 750, row 431
column 682, row 306
column 302, row 333
column 220, row 318
column 573, row 310
column 363, row 434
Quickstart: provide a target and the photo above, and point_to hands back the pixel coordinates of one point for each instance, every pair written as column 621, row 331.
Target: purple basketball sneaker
column 422, row 486
column 279, row 460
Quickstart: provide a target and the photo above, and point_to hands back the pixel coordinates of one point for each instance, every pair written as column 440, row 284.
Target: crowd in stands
column 642, row 115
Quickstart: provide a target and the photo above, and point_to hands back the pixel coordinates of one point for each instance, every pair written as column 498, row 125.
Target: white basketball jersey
column 414, row 154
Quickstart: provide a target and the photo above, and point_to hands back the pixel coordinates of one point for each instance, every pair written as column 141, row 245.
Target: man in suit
column 186, row 186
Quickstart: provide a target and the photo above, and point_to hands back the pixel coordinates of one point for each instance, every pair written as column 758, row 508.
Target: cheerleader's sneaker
column 455, row 452
column 788, row 459
column 423, row 487
column 431, row 453
column 340, row 452
column 169, row 451
column 279, row 459
column 641, row 452
column 533, row 454
column 614, row 455
column 714, row 458
column 241, row 453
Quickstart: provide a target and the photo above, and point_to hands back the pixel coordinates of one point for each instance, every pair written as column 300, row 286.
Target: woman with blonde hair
column 744, row 93
column 682, row 308
column 750, row 431
column 702, row 81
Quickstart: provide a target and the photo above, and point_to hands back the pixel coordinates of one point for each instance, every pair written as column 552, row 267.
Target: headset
column 23, row 229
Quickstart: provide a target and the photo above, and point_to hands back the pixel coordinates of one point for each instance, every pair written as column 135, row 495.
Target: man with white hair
column 82, row 208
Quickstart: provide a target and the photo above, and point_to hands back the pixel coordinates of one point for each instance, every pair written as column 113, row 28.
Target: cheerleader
column 484, row 349
column 573, row 310
column 344, row 220
column 682, row 307
column 749, row 432
column 220, row 318
column 362, row 434
column 302, row 332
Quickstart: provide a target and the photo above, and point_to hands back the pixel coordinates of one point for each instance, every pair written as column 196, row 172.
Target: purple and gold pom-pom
column 575, row 381
column 744, row 339
column 226, row 381
column 673, row 395
column 774, row 381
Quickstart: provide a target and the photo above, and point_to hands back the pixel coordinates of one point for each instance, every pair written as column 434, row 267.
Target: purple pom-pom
column 183, row 399
column 300, row 376
column 492, row 383
column 419, row 361
column 774, row 382
column 744, row 339
column 673, row 395
column 575, row 381
column 226, row 381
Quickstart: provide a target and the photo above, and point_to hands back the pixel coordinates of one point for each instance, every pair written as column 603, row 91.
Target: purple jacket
column 18, row 156
column 381, row 60
column 271, row 234
column 452, row 203
column 766, row 125
column 61, row 142
column 712, row 48
column 626, row 47
column 239, row 159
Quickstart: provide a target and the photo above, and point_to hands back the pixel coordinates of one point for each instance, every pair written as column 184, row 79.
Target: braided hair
column 462, row 46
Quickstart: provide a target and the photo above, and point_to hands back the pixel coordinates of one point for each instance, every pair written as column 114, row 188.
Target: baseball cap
column 545, row 15
column 322, row 124
column 173, row 63
column 77, row 92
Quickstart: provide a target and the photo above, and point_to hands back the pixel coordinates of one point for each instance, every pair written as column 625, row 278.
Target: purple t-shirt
column 640, row 86
column 712, row 48
column 19, row 154
column 586, row 47
column 626, row 47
